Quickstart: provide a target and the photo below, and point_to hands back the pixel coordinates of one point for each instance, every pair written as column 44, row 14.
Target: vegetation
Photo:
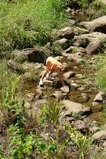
column 29, row 23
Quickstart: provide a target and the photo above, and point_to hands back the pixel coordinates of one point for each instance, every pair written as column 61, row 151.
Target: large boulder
column 98, row 24
column 29, row 54
column 92, row 42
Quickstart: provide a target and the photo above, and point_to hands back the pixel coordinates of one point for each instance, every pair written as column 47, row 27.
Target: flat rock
column 65, row 89
column 69, row 74
column 74, row 107
column 101, row 135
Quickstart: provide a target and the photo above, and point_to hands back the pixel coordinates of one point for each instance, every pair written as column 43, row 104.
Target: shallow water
column 74, row 95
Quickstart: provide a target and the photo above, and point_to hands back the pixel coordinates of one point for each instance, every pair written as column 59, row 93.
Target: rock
column 15, row 66
column 38, row 90
column 94, row 129
column 105, row 127
column 93, row 47
column 30, row 97
column 73, row 86
column 74, row 49
column 94, row 104
column 27, row 105
column 62, row 135
column 67, row 32
column 61, row 41
column 59, row 95
column 29, row 54
column 80, row 76
column 31, row 67
column 48, row 82
column 101, row 135
column 91, row 42
column 80, row 125
column 33, row 113
column 104, row 144
column 71, row 151
column 40, row 103
column 74, row 107
column 69, row 74
column 65, row 89
column 75, row 56
column 98, row 24
column 99, row 97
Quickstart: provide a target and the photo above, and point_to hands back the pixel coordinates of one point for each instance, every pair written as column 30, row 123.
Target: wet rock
column 69, row 74
column 15, row 66
column 99, row 97
column 98, row 24
column 29, row 54
column 67, row 32
column 101, row 135
column 74, row 107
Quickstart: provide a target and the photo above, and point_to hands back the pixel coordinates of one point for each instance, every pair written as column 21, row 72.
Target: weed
column 50, row 113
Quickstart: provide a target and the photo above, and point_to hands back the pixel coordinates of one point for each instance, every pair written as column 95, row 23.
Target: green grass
column 101, row 73
column 18, row 19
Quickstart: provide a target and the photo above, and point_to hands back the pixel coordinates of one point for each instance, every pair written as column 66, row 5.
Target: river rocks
column 73, row 86
column 67, row 32
column 74, row 107
column 65, row 89
column 101, row 135
column 99, row 97
column 59, row 95
column 69, row 74
column 61, row 41
column 91, row 42
column 98, row 24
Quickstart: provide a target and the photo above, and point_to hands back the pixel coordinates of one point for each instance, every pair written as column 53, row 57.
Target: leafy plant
column 20, row 145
